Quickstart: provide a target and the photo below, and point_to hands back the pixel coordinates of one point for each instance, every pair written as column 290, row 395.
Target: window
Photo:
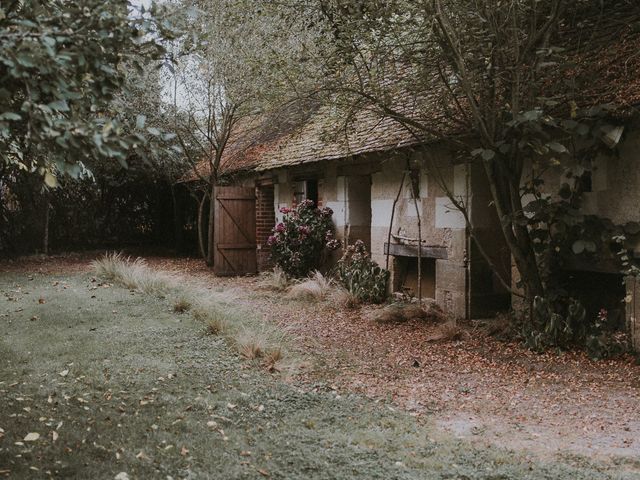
column 585, row 183
column 305, row 190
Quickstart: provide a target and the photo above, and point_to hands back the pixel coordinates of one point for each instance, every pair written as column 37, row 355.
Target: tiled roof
column 323, row 137
column 612, row 60
column 607, row 55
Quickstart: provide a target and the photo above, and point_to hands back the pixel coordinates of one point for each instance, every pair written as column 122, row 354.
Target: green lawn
column 115, row 381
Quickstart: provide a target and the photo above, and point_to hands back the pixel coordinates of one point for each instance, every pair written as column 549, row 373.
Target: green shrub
column 299, row 242
column 361, row 276
column 563, row 324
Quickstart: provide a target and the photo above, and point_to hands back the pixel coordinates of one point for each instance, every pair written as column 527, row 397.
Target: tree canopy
column 61, row 65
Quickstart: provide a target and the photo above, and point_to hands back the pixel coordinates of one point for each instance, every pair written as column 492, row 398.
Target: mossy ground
column 129, row 385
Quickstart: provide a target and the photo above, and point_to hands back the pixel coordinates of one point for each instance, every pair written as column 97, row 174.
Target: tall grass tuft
column 182, row 304
column 317, row 287
column 276, row 280
column 133, row 274
column 215, row 321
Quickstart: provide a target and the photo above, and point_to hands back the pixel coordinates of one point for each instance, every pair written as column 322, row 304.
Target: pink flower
column 333, row 244
column 285, row 210
column 271, row 240
column 280, row 227
column 304, row 230
column 603, row 315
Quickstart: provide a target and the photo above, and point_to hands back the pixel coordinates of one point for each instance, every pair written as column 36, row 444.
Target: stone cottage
column 371, row 169
column 366, row 172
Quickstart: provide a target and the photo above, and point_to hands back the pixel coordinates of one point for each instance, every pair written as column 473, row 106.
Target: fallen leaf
column 64, row 372
column 142, row 456
column 184, row 451
column 263, row 472
column 54, row 435
column 31, row 437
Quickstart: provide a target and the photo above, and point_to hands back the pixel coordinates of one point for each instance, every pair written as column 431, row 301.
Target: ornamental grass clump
column 361, row 276
column 299, row 243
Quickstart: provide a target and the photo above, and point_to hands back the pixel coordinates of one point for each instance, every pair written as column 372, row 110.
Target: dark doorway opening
column 406, row 278
column 596, row 291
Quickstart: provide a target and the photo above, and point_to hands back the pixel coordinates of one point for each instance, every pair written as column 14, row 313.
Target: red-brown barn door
column 235, row 231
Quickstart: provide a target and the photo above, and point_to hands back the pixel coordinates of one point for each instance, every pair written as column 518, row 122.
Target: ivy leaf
column 140, row 121
column 10, row 116
column 50, row 180
column 488, row 154
column 557, row 147
column 59, row 105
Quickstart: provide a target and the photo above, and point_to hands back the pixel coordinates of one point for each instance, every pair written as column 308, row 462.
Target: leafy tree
column 494, row 81
column 233, row 75
column 71, row 78
column 61, row 65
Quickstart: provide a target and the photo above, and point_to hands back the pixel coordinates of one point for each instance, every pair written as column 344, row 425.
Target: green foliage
column 548, row 328
column 563, row 324
column 112, row 207
column 61, row 65
column 300, row 240
column 361, row 276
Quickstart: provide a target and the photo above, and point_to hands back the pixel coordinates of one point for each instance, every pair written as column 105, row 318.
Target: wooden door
column 235, row 231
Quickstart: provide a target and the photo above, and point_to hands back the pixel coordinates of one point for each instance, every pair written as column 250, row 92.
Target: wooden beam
column 399, row 250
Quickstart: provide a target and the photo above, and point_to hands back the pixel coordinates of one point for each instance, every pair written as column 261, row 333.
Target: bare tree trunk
column 203, row 253
column 210, row 232
column 45, row 236
column 177, row 224
column 516, row 236
column 415, row 204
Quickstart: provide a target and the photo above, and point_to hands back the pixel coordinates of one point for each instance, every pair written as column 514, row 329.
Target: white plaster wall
column 338, row 213
column 381, row 212
column 447, row 215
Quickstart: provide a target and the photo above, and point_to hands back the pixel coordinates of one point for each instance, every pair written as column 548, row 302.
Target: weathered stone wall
column 441, row 224
column 361, row 193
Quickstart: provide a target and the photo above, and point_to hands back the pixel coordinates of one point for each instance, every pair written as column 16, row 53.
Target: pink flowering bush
column 299, row 242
